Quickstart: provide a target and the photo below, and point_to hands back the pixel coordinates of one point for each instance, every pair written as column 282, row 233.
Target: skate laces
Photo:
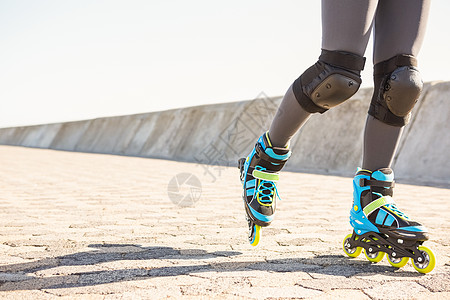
column 393, row 208
column 266, row 190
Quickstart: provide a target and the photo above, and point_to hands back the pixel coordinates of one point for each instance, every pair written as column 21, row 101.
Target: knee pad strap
column 330, row 81
column 397, row 88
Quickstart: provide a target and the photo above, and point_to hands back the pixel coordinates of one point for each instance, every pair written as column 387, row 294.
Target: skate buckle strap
column 265, row 175
column 378, row 183
column 263, row 155
column 372, row 206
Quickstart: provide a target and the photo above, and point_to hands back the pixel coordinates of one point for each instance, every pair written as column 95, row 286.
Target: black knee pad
column 397, row 88
column 334, row 78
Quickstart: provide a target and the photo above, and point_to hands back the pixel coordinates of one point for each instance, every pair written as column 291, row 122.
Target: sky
column 64, row 60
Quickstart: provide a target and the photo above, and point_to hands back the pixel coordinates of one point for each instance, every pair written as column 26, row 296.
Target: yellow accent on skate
column 268, row 140
column 430, row 264
column 362, row 170
column 257, row 196
column 374, row 259
column 257, row 235
column 372, row 206
column 265, row 175
column 398, row 264
column 351, row 254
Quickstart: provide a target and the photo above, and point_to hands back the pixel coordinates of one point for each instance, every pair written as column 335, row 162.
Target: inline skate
column 259, row 173
column 381, row 228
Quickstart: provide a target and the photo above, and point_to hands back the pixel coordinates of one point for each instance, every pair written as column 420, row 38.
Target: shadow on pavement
column 336, row 265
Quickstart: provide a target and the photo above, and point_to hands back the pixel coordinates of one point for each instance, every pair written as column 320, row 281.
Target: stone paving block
column 273, row 279
column 30, row 265
column 12, row 277
column 285, row 267
column 82, row 297
column 217, row 286
column 276, row 292
column 168, row 281
column 337, row 283
column 391, row 274
column 71, row 270
column 101, row 277
column 434, row 296
column 14, row 295
column 35, row 283
column 395, row 290
column 437, row 283
column 100, row 289
column 342, row 294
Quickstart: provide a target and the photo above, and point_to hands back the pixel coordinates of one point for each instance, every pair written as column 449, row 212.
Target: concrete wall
column 219, row 134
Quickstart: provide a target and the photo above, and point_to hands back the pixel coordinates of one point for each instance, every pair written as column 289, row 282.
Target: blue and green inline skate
column 259, row 173
column 380, row 227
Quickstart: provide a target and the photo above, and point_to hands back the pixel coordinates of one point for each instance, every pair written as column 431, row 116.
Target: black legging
column 346, row 26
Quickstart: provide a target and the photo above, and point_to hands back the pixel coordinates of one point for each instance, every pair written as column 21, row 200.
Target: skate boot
column 258, row 174
column 380, row 227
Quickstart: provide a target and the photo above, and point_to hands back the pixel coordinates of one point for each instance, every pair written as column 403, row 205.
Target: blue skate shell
column 260, row 216
column 358, row 219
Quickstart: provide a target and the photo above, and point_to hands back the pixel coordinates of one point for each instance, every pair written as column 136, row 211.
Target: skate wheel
column 398, row 262
column 352, row 252
column 374, row 257
column 429, row 263
column 254, row 235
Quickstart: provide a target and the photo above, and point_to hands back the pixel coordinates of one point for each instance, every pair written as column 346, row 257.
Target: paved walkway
column 77, row 225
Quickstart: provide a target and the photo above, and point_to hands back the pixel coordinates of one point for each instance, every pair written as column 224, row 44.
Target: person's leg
column 346, row 27
column 399, row 30
column 334, row 78
column 289, row 118
column 379, row 226
column 346, row 24
column 380, row 143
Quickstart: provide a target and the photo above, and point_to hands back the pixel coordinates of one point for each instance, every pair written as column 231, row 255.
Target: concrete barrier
column 423, row 154
column 69, row 135
column 219, row 134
